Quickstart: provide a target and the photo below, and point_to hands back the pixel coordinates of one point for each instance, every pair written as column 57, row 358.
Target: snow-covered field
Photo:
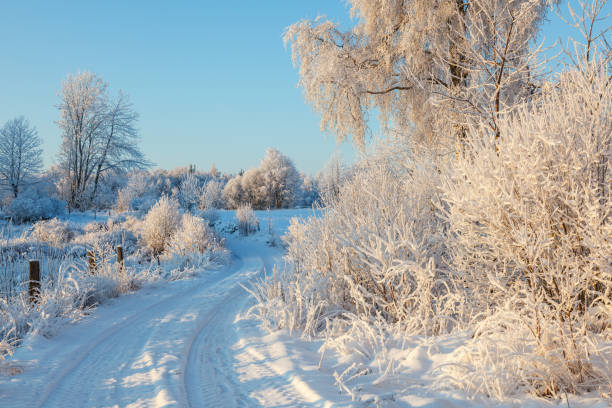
column 190, row 343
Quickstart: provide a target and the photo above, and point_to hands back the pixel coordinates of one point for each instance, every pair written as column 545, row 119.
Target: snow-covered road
column 170, row 345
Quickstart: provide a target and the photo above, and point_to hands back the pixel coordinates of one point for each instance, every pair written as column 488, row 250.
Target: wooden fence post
column 34, row 289
column 92, row 262
column 120, row 257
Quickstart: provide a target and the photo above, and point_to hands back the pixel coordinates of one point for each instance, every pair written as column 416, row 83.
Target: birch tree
column 430, row 68
column 20, row 154
column 99, row 135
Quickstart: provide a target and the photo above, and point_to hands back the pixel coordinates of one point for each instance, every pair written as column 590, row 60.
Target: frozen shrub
column 247, row 220
column 193, row 245
column 54, row 232
column 160, row 223
column 376, row 251
column 530, row 216
column 193, row 236
column 32, row 208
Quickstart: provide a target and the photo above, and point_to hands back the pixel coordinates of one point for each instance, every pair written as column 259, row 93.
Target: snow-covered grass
column 79, row 267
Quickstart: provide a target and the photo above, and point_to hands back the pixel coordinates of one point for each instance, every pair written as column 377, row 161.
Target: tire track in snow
column 209, row 374
column 112, row 350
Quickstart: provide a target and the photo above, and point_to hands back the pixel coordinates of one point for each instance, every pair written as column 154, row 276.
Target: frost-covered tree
column 118, row 144
column 233, row 193
column 212, row 195
column 281, row 180
column 253, row 188
column 430, row 68
column 331, row 175
column 20, row 154
column 274, row 183
column 98, row 133
column 214, row 173
column 189, row 192
column 309, row 193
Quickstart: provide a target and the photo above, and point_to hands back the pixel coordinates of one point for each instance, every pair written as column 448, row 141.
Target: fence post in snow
column 34, row 289
column 120, row 257
column 92, row 262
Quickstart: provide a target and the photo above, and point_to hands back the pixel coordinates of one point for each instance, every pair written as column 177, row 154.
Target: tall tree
column 430, row 68
column 99, row 135
column 20, row 153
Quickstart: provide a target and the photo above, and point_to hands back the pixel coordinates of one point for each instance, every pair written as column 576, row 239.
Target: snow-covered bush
column 194, row 245
column 160, row 223
column 54, row 232
column 375, row 251
column 247, row 220
column 530, row 233
column 31, row 206
column 192, row 236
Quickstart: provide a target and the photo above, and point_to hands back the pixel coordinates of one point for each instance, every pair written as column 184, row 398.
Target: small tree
column 20, row 154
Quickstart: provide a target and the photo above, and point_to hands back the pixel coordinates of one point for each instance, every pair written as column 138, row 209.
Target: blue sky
column 212, row 81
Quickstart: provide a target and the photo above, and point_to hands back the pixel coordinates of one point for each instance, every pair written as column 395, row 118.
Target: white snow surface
column 187, row 344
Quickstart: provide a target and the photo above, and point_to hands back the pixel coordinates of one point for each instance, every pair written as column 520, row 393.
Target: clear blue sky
column 212, row 81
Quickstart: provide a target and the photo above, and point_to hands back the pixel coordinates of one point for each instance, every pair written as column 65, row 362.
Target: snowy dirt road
column 172, row 345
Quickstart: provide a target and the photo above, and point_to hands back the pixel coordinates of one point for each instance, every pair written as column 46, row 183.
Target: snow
column 190, row 343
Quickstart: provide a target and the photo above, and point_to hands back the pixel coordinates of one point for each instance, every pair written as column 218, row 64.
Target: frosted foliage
column 331, row 176
column 212, row 195
column 189, row 192
column 275, row 183
column 160, row 224
column 20, row 154
column 253, row 188
column 530, row 232
column 31, row 205
column 192, row 236
column 419, row 64
column 281, row 180
column 247, row 220
column 54, row 232
column 375, row 252
column 98, row 136
column 233, row 193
